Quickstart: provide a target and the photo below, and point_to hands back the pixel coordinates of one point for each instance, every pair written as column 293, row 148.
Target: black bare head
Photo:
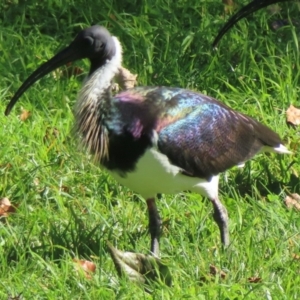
column 94, row 43
column 242, row 13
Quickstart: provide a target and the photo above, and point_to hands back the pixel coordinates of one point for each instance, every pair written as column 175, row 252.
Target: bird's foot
column 139, row 267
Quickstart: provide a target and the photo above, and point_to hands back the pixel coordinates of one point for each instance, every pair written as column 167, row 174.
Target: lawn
column 68, row 208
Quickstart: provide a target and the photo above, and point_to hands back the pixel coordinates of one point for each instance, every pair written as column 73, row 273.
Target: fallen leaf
column 293, row 115
column 6, row 207
column 17, row 297
column 229, row 6
column 25, row 114
column 51, row 133
column 65, row 189
column 228, row 2
column 68, row 71
column 84, row 265
column 215, row 271
column 6, row 165
column 71, row 70
column 292, row 200
column 296, row 256
column 113, row 17
column 254, row 279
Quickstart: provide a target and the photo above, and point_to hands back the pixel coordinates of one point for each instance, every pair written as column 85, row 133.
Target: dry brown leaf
column 296, row 256
column 293, row 115
column 113, row 17
column 6, row 165
column 228, row 2
column 6, row 207
column 51, row 133
column 65, row 189
column 292, row 200
column 254, row 279
column 71, row 70
column 17, row 297
column 229, row 6
column 215, row 271
column 68, row 71
column 25, row 114
column 84, row 265
column 84, row 210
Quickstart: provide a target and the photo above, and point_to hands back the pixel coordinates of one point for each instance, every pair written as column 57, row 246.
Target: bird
column 156, row 139
column 251, row 7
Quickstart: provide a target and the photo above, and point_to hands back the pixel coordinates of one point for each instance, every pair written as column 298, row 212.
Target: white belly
column 155, row 174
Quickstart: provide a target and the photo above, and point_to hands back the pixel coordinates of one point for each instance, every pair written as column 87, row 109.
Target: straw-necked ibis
column 156, row 139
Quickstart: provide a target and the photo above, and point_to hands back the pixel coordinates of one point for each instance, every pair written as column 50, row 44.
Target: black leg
column 154, row 226
column 221, row 217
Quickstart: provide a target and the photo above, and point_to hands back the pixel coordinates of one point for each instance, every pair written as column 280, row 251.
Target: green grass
column 68, row 208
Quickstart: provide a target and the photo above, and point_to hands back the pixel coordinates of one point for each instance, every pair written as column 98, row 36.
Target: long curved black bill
column 242, row 13
column 65, row 56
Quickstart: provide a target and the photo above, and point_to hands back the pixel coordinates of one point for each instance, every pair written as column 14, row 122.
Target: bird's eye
column 99, row 45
